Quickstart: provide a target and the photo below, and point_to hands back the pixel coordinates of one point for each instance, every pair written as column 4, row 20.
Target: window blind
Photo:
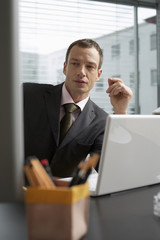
column 45, row 23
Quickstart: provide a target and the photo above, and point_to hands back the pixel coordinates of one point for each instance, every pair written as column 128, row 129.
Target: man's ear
column 64, row 68
column 99, row 74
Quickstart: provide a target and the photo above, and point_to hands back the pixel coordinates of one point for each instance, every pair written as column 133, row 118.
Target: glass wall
column 147, row 60
column 47, row 27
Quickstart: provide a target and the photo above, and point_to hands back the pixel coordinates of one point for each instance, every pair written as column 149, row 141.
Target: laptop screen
column 130, row 155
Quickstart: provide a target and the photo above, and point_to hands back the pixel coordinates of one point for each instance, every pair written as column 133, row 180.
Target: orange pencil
column 36, row 174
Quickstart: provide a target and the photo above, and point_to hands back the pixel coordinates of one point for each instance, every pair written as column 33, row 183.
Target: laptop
column 130, row 155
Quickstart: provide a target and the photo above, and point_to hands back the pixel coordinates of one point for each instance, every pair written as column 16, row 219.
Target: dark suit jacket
column 42, row 127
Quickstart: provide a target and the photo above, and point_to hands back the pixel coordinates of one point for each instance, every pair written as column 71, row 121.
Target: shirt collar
column 66, row 98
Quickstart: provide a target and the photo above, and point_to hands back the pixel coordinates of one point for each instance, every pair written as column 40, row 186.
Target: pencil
column 36, row 174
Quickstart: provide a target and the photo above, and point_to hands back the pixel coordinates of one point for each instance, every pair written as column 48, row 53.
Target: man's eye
column 74, row 63
column 90, row 67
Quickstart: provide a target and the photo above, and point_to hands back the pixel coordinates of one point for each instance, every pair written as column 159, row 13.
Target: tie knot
column 70, row 107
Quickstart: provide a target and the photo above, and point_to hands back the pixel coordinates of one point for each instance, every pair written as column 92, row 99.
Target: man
column 44, row 109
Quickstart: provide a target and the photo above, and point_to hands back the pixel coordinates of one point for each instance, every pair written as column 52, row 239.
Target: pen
column 46, row 166
column 83, row 170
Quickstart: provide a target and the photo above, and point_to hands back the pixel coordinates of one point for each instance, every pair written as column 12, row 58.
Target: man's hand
column 120, row 95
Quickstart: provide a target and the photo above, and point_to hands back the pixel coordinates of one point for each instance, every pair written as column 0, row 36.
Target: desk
column 12, row 221
column 124, row 216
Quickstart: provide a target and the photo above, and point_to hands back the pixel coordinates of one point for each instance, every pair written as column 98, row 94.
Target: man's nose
column 81, row 71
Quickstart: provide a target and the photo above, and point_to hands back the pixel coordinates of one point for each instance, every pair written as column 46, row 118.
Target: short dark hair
column 86, row 43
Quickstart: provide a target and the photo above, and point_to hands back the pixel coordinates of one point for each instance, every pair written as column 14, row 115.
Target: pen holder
column 57, row 214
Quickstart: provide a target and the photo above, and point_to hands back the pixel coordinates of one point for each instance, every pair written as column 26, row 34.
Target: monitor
column 11, row 118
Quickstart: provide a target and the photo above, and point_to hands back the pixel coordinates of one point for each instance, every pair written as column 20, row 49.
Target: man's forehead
column 77, row 53
column 83, row 49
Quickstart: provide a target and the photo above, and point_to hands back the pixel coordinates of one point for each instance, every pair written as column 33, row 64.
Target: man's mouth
column 80, row 81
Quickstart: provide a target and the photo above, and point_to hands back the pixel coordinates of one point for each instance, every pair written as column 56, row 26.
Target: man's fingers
column 114, row 86
column 111, row 81
column 119, row 88
column 116, row 91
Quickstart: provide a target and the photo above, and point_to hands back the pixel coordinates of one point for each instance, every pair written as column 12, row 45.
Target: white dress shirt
column 66, row 98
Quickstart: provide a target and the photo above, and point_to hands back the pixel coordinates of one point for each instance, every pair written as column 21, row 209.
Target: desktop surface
column 122, row 216
column 13, row 221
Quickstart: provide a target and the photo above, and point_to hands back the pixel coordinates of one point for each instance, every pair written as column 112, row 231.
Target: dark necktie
column 66, row 121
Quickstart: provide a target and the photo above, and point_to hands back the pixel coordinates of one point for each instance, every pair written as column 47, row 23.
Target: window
column 48, row 27
column 153, row 41
column 30, row 66
column 116, row 76
column 131, row 46
column 116, row 50
column 147, row 61
column 154, row 77
column 99, row 86
column 131, row 80
column 60, row 76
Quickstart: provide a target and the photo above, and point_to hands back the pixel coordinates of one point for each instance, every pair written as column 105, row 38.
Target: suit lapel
column 82, row 122
column 53, row 101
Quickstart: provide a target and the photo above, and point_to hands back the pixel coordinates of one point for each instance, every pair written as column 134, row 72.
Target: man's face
column 81, row 71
